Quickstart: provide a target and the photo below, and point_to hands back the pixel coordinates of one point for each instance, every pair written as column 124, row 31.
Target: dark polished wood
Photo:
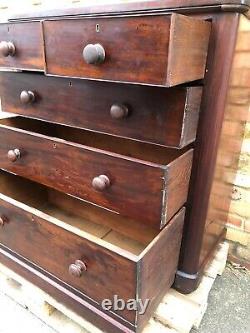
column 21, row 46
column 167, row 117
column 90, row 265
column 196, row 250
column 181, row 6
column 146, row 187
column 163, row 50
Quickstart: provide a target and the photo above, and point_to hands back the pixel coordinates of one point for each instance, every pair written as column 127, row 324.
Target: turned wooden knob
column 14, row 155
column 2, row 221
column 93, row 54
column 77, row 268
column 27, row 97
column 118, row 111
column 7, row 49
column 101, row 183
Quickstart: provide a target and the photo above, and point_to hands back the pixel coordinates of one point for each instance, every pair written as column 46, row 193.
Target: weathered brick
column 237, row 235
column 244, row 24
column 247, row 225
column 233, row 128
column 240, row 77
column 243, row 41
column 239, row 112
column 241, row 208
column 239, row 96
column 235, row 220
column 241, row 60
column 232, row 144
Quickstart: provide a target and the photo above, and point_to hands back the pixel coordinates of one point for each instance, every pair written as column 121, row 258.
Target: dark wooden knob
column 77, row 268
column 101, row 183
column 14, row 155
column 118, row 111
column 93, row 54
column 27, row 97
column 7, row 49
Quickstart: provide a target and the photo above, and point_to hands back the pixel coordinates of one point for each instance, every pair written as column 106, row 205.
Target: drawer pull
column 7, row 49
column 27, row 97
column 101, row 183
column 77, row 268
column 118, row 111
column 2, row 221
column 93, row 54
column 14, row 155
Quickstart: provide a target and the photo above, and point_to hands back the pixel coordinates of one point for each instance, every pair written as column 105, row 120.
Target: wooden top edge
column 131, row 6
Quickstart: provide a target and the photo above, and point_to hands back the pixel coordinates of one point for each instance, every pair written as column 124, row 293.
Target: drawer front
column 33, row 235
column 160, row 50
column 166, row 117
column 135, row 188
column 22, row 46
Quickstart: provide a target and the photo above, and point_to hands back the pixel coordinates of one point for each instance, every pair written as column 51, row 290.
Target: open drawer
column 87, row 248
column 164, row 50
column 133, row 179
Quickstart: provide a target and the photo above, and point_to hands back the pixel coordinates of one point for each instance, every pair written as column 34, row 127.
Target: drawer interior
column 138, row 150
column 80, row 217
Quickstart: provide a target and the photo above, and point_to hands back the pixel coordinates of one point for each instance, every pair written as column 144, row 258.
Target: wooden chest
column 111, row 147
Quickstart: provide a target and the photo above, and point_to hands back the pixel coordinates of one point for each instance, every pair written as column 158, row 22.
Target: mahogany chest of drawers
column 111, row 148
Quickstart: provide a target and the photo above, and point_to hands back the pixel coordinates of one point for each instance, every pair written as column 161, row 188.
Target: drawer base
column 187, row 283
column 57, row 289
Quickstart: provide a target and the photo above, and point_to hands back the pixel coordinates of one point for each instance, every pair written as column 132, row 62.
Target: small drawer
column 164, row 50
column 143, row 182
column 21, row 46
column 81, row 246
column 166, row 117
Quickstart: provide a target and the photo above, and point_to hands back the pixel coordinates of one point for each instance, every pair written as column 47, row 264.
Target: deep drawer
column 160, row 50
column 22, row 46
column 163, row 116
column 140, row 181
column 53, row 230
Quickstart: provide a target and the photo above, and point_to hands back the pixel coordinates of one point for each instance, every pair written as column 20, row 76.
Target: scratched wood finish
column 28, row 41
column 167, row 117
column 141, row 185
column 106, row 267
column 142, row 49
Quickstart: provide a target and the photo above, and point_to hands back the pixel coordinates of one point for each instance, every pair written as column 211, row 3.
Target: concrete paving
column 229, row 304
column 228, row 310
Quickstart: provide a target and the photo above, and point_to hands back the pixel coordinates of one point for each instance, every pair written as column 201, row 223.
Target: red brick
column 237, row 112
column 235, row 220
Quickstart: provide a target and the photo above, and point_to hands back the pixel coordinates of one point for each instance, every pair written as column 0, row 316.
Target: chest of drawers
column 111, row 149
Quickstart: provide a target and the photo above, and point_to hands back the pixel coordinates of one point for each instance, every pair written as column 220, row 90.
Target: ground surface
column 229, row 304
column 228, row 310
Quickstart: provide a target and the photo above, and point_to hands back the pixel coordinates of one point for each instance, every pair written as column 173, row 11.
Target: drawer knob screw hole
column 14, row 155
column 7, row 49
column 77, row 268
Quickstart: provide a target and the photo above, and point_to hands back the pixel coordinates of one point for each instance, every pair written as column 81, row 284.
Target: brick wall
column 231, row 188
